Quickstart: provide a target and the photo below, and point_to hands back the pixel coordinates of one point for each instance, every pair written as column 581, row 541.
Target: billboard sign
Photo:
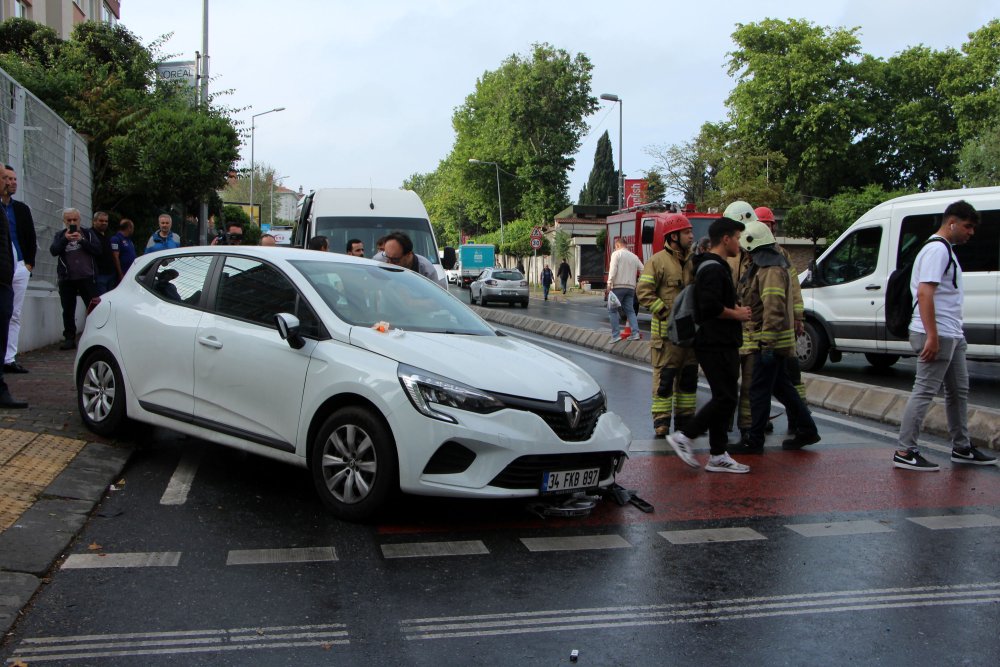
column 184, row 71
column 635, row 192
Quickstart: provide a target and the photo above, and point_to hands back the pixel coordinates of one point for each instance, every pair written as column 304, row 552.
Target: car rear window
column 508, row 275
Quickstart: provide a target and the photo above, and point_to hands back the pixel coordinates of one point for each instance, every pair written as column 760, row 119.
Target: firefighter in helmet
column 675, row 371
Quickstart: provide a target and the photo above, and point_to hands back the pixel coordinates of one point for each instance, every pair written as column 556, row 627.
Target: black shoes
column 800, row 440
column 14, row 367
column 972, row 456
column 913, row 461
column 68, row 344
column 8, row 401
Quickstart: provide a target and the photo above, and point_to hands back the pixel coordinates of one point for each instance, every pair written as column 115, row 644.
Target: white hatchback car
column 368, row 374
column 499, row 284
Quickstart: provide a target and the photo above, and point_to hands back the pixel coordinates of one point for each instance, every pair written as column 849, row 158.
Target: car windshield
column 363, row 294
column 338, row 230
column 508, row 275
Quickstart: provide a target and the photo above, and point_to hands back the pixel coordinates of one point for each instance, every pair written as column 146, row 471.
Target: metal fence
column 52, row 165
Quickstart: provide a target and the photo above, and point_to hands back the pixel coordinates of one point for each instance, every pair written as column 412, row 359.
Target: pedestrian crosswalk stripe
column 700, row 536
column 839, row 528
column 272, row 556
column 952, row 521
column 423, row 549
column 575, row 543
column 94, row 561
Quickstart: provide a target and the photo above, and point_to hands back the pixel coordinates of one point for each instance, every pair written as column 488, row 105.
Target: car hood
column 499, row 364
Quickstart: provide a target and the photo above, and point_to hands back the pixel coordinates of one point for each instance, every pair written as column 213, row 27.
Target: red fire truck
column 642, row 228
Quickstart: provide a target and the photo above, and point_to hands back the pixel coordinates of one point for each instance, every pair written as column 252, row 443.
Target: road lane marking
column 697, row 612
column 949, row 522
column 736, row 534
column 839, row 528
column 275, row 556
column 43, row 649
column 137, row 559
column 575, row 543
column 180, row 482
column 424, row 549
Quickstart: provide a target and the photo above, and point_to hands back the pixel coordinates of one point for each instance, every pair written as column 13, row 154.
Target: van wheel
column 100, row 394
column 881, row 361
column 812, row 348
column 353, row 463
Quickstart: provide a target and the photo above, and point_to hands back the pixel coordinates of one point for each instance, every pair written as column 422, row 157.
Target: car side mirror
column 288, row 329
column 449, row 259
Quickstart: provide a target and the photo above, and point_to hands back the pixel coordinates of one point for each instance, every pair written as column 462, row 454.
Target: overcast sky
column 369, row 87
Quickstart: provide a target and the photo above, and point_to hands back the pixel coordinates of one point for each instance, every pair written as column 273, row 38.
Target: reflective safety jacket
column 740, row 266
column 663, row 277
column 768, row 292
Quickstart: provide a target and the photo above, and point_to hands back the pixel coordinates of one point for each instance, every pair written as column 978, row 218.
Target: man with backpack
column 675, row 370
column 716, row 345
column 937, row 336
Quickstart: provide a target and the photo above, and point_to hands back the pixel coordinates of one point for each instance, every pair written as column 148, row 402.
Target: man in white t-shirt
column 937, row 336
column 623, row 271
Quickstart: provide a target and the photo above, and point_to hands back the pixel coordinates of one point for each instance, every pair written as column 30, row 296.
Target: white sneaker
column 725, row 463
column 682, row 447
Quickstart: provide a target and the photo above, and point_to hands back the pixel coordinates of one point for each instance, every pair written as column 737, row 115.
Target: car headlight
column 426, row 389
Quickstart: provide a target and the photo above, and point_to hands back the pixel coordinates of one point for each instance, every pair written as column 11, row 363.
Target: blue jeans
column 627, row 296
column 770, row 378
column 105, row 282
column 948, row 369
column 545, row 291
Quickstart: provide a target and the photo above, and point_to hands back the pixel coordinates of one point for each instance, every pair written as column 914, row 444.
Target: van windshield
column 339, row 230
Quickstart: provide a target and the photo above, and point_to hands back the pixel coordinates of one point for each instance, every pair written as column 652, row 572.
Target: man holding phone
column 75, row 250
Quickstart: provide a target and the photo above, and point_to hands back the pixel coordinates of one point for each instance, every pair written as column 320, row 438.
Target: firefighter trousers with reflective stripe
column 746, row 377
column 675, row 383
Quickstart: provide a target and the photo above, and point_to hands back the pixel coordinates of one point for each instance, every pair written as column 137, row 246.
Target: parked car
column 499, row 284
column 844, row 290
column 368, row 374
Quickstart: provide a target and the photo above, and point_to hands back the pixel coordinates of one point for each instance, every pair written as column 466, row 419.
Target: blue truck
column 473, row 258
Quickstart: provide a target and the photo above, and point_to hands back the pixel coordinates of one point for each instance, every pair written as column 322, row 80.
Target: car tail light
column 524, row 283
column 93, row 304
column 492, row 283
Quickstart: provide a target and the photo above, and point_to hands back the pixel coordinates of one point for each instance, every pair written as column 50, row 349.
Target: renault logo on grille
column 572, row 410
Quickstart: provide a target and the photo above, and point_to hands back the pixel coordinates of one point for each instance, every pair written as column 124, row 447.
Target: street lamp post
column 252, row 165
column 273, row 179
column 499, row 199
column 621, row 174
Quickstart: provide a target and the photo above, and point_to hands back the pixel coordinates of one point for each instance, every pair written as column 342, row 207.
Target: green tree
column 265, row 177
column 689, row 169
column 979, row 161
column 973, row 82
column 602, row 186
column 795, row 95
column 813, row 221
column 656, row 188
column 563, row 242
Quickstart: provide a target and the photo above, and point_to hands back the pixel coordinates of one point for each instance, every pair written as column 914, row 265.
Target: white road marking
column 138, row 559
column 42, row 649
column 422, row 549
column 697, row 612
column 838, row 528
column 949, row 522
column 273, row 556
column 575, row 543
column 180, row 482
column 736, row 534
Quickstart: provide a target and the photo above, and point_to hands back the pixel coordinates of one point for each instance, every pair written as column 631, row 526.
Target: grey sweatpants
column 948, row 369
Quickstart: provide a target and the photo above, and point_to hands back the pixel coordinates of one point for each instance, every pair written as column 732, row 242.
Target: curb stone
column 851, row 398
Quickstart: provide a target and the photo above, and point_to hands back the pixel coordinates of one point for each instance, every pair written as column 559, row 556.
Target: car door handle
column 873, row 288
column 211, row 342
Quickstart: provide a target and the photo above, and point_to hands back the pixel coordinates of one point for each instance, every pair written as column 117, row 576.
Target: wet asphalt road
column 587, row 311
column 822, row 557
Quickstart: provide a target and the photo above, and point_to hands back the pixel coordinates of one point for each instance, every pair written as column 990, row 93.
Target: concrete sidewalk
column 53, row 472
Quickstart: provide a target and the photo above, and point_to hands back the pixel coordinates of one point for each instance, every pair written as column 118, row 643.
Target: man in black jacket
column 716, row 345
column 24, row 242
column 6, row 300
column 76, row 249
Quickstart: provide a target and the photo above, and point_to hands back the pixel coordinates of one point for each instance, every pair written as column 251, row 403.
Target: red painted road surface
column 781, row 483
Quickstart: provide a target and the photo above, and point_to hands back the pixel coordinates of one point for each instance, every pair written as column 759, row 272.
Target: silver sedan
column 498, row 284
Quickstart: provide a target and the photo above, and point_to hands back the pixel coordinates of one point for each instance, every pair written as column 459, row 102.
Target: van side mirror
column 288, row 329
column 449, row 259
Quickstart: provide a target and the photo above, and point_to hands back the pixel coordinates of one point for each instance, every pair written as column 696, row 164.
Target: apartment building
column 61, row 15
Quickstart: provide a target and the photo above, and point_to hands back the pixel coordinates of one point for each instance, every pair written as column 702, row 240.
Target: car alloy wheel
column 101, row 394
column 354, row 463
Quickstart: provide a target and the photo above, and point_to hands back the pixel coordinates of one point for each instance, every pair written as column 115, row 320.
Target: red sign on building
column 635, row 192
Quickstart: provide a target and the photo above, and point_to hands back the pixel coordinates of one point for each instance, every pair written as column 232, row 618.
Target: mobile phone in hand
column 73, row 229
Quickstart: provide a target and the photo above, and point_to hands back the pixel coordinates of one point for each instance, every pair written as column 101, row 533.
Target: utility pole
column 203, row 80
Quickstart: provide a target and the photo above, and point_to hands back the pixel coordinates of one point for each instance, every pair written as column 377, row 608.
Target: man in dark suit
column 24, row 242
column 6, row 296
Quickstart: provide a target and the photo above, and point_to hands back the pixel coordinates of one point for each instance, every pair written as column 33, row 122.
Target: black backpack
column 899, row 301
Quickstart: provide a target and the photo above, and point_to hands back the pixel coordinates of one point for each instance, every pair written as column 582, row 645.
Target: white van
column 844, row 290
column 368, row 214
